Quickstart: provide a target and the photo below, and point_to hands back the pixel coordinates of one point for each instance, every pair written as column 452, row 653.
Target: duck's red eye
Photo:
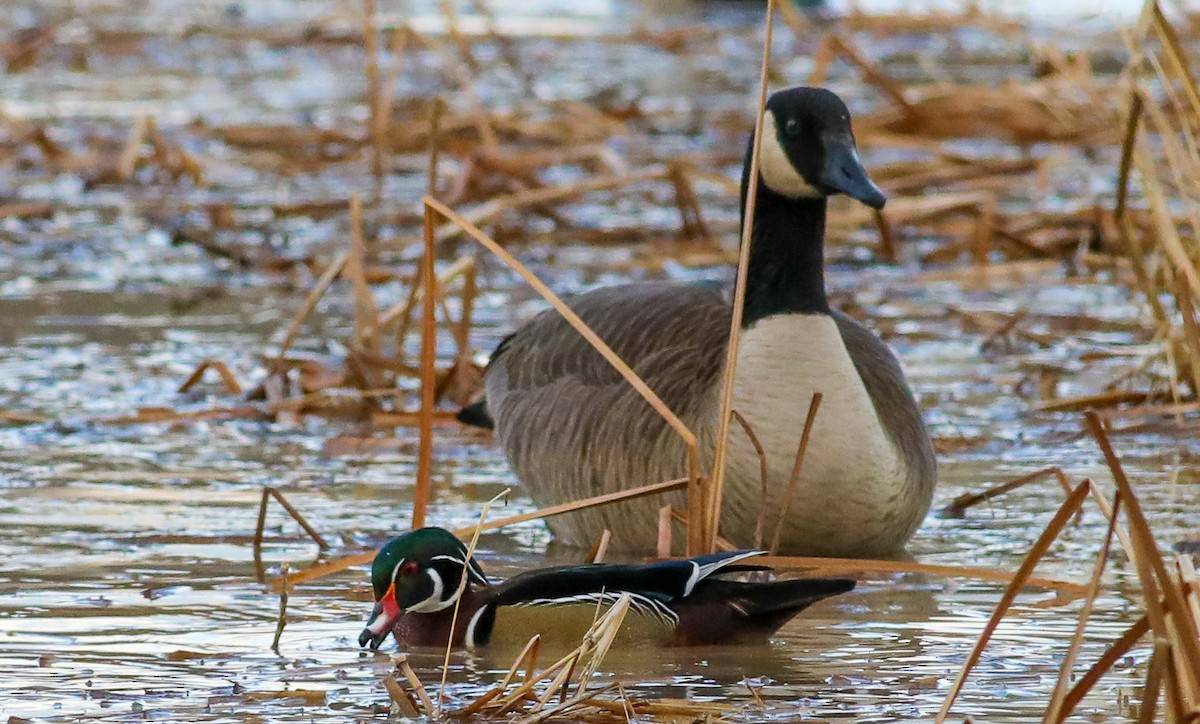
column 409, row 568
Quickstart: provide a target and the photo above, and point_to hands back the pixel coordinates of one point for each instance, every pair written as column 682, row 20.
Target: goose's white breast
column 851, row 465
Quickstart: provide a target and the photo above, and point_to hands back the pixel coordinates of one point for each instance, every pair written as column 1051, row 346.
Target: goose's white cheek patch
column 777, row 171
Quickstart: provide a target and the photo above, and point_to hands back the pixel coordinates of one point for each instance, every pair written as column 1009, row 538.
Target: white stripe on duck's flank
column 777, row 171
column 851, row 464
column 469, row 638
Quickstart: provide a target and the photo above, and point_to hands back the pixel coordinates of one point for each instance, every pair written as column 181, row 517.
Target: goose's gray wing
column 672, row 335
column 893, row 400
column 570, row 425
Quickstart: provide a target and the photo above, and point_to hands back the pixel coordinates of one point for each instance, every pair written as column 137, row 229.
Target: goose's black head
column 808, row 148
column 419, row 572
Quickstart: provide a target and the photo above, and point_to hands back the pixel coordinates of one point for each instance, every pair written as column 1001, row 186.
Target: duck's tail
column 726, row 612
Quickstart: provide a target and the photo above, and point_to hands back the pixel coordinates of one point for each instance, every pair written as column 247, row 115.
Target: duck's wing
column 664, row 581
column 673, row 335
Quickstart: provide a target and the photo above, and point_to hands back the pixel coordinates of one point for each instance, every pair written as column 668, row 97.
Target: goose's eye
column 409, row 568
column 791, row 127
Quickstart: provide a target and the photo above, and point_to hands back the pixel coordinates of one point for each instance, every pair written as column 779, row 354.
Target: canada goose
column 571, row 427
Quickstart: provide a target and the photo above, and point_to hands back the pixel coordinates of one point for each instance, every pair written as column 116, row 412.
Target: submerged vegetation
column 457, row 155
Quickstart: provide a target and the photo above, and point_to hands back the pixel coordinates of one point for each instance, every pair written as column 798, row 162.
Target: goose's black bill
column 476, row 415
column 844, row 172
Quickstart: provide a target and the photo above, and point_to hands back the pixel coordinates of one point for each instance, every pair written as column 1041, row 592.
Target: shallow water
column 126, row 568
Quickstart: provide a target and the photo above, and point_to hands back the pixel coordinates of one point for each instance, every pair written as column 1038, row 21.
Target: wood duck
column 674, row 603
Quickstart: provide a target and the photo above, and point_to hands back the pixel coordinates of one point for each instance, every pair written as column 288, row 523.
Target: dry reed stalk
column 340, row 564
column 462, row 586
column 446, row 8
column 1164, row 598
column 691, row 216
column 887, row 238
column 227, row 377
column 283, row 601
column 428, row 376
column 563, row 707
column 435, row 145
column 405, row 668
column 760, row 524
column 1096, row 401
column 596, row 553
column 958, row 507
column 1055, row 711
column 1107, row 660
column 310, row 302
column 551, row 194
column 400, row 698
column 268, row 493
column 694, row 543
column 366, row 314
column 508, row 49
column 1149, row 411
column 797, row 466
column 1036, row 552
column 872, row 74
column 154, row 415
column 402, row 311
column 127, row 161
column 663, row 543
column 712, row 506
column 374, row 112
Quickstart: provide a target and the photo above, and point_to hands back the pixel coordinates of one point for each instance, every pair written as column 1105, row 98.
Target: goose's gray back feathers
column 571, row 427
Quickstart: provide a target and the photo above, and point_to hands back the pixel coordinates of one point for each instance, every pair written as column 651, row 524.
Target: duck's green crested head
column 808, row 148
column 418, row 572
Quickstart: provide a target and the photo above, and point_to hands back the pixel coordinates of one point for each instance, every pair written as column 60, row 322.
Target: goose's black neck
column 787, row 256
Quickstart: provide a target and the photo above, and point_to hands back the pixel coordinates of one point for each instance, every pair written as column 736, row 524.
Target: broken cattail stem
column 366, row 315
column 663, row 547
column 403, row 667
column 599, row 548
column 408, row 708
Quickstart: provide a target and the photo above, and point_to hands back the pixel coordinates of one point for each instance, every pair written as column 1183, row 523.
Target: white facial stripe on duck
column 776, row 168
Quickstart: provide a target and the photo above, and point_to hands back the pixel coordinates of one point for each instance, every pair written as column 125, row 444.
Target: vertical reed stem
column 428, row 376
column 739, row 301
